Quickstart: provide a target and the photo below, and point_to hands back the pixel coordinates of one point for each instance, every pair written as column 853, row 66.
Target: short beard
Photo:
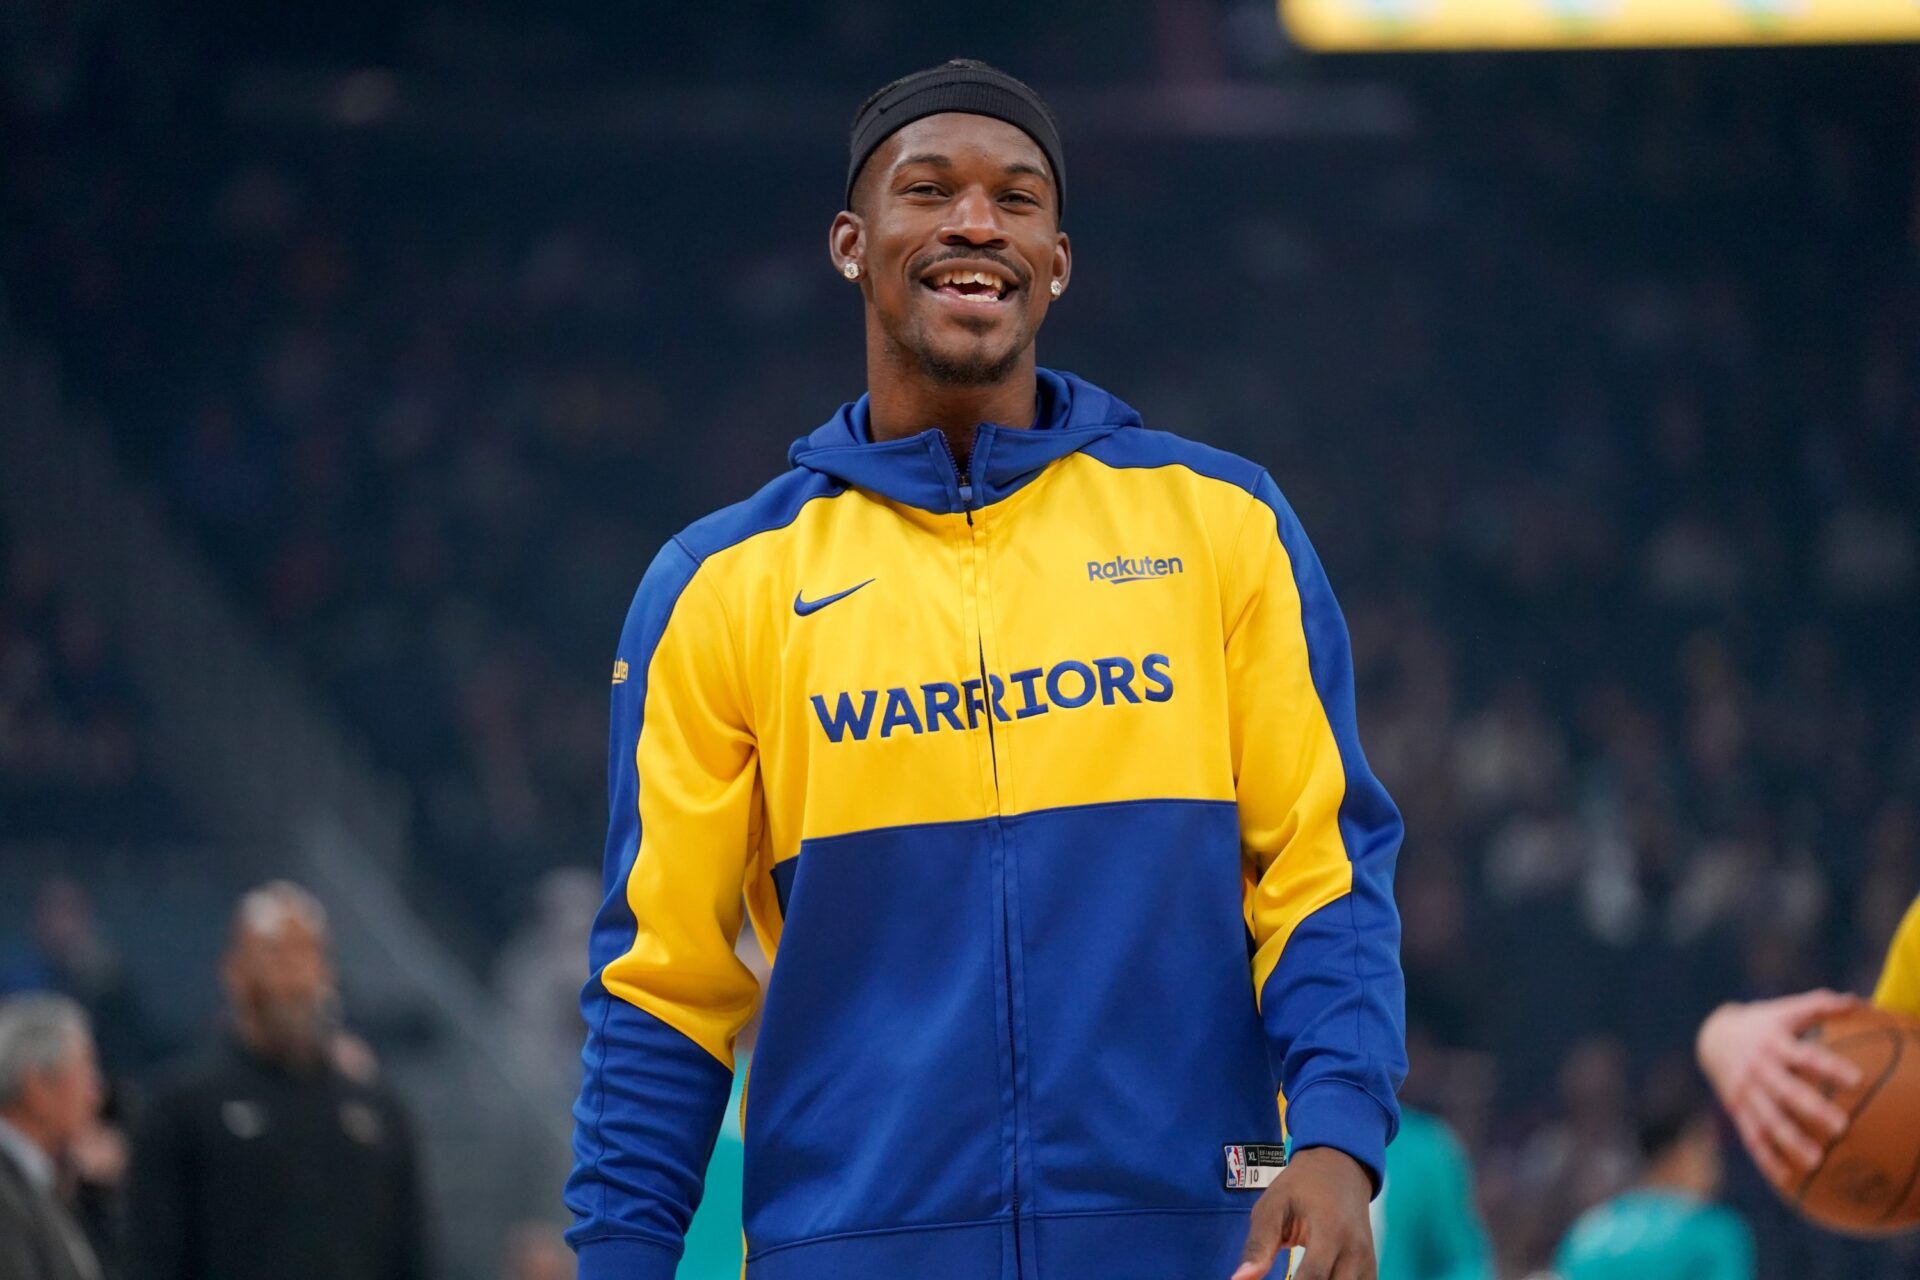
column 977, row 371
column 965, row 371
column 295, row 1033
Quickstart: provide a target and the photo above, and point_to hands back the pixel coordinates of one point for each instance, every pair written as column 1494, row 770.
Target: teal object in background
column 1656, row 1235
column 1425, row 1223
column 714, row 1250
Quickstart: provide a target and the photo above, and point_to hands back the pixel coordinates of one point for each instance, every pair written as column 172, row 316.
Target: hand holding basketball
column 1867, row 1180
column 1825, row 1091
column 1769, row 1078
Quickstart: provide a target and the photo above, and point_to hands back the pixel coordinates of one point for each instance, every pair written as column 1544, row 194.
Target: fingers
column 1263, row 1242
column 1256, row 1269
column 1316, row 1265
column 1822, row 1065
column 1357, row 1264
column 1770, row 1161
column 1809, row 1007
column 1817, row 1114
column 1320, row 1203
column 1782, row 1130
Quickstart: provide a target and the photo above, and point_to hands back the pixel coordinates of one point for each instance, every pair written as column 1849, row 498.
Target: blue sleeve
column 651, row 1099
column 1334, row 1004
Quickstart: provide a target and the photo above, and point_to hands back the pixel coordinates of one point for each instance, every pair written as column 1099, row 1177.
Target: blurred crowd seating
column 1598, row 394
column 75, row 747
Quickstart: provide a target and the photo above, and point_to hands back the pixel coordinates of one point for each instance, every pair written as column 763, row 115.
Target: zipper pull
column 966, row 496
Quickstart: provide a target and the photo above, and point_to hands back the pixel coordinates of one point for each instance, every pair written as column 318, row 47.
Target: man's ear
column 844, row 242
column 1062, row 260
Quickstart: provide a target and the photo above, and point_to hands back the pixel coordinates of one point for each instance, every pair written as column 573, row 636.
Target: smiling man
column 1024, row 737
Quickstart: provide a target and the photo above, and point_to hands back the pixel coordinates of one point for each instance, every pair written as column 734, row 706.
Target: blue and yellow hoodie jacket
column 1041, row 787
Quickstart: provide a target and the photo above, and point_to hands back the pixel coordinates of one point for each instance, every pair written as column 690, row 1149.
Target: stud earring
column 851, row 270
column 1055, row 288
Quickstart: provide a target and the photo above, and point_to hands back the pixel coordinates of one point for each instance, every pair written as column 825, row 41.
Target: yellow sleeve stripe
column 697, row 796
column 1289, row 776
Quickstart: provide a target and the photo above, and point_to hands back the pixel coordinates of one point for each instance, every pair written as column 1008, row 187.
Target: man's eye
column 923, row 189
column 1021, row 196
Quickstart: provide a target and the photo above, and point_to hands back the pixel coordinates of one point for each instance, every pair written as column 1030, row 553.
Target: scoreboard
column 1354, row 25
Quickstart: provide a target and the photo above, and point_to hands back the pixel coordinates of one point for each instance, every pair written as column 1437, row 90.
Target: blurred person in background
column 1667, row 1227
column 50, row 1094
column 1426, row 1226
column 537, row 976
column 68, row 952
column 1580, row 1157
column 264, row 1159
column 1426, row 1220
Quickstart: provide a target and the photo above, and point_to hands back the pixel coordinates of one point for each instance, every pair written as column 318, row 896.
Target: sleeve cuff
column 627, row 1258
column 1333, row 1113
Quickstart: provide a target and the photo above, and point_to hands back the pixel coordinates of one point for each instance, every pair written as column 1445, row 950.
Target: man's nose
column 974, row 220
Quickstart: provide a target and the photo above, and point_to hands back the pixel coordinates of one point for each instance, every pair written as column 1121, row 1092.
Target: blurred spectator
column 1426, row 1225
column 265, row 1159
column 99, row 1158
column 539, row 975
column 74, row 743
column 69, row 953
column 1668, row 1227
column 50, row 1093
column 1581, row 1158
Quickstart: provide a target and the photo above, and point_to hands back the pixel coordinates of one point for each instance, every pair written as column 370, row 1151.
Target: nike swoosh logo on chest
column 803, row 606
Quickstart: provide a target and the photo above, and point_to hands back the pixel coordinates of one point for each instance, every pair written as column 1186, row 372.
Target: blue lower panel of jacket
column 1145, row 1050
column 1106, row 1246
column 880, row 1117
column 874, row 1099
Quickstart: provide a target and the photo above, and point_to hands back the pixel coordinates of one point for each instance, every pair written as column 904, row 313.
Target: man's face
column 281, row 981
column 956, row 232
column 64, row 1099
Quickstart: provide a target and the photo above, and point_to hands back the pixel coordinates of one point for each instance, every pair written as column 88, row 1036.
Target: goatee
column 977, row 371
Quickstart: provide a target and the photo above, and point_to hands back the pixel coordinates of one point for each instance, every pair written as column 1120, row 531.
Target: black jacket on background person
column 244, row 1169
column 39, row 1240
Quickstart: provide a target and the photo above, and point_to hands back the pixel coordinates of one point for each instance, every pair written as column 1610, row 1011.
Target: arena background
column 355, row 359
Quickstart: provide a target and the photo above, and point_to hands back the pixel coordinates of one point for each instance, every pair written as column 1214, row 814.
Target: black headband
column 979, row 91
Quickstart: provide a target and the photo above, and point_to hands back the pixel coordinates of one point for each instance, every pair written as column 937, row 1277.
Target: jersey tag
column 1253, row 1165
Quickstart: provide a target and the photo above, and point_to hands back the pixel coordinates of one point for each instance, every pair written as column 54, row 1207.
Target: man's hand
column 1319, row 1203
column 1768, row 1077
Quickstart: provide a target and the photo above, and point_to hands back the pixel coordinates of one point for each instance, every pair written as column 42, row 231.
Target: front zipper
column 1006, row 890
column 1006, row 933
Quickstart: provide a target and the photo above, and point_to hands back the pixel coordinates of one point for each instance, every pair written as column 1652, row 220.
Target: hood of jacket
column 919, row 470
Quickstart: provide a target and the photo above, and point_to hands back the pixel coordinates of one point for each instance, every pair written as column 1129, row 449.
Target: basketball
column 1868, row 1179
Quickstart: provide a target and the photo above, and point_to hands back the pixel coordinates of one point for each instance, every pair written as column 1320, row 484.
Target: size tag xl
column 1253, row 1165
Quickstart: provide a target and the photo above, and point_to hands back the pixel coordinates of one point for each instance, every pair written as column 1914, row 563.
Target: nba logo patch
column 1253, row 1165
